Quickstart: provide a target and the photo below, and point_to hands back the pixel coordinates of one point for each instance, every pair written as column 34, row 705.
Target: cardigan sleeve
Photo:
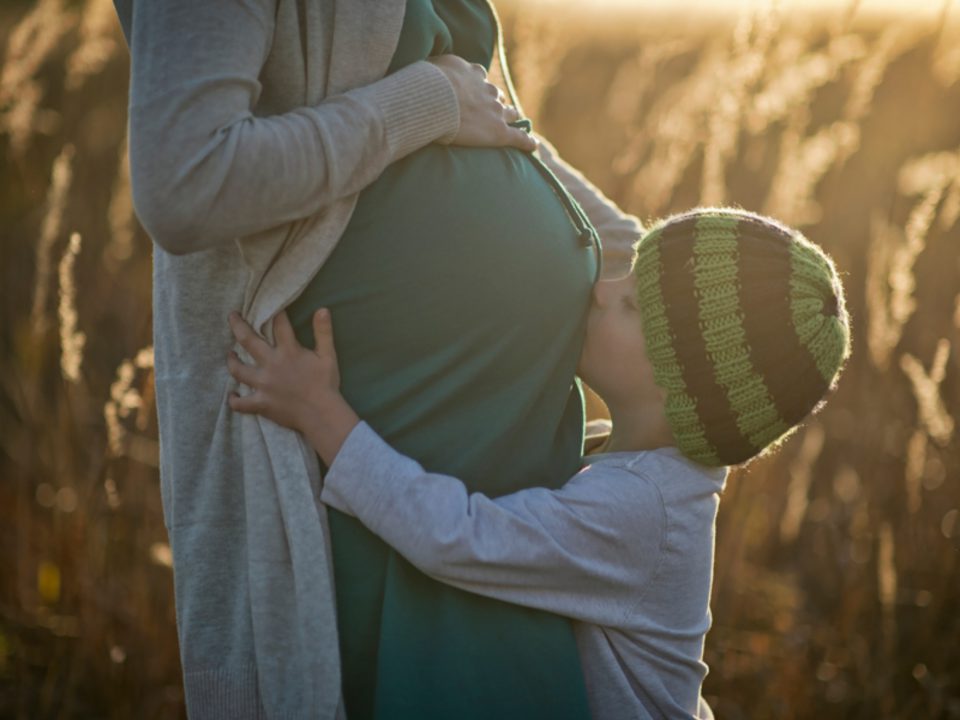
column 205, row 169
column 585, row 551
column 618, row 230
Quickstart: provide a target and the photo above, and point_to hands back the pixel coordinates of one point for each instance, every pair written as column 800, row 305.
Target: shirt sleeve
column 205, row 169
column 585, row 551
column 618, row 231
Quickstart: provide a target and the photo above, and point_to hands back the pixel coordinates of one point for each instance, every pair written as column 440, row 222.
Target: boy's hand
column 293, row 386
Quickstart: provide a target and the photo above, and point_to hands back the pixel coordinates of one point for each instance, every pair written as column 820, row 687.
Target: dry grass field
column 837, row 588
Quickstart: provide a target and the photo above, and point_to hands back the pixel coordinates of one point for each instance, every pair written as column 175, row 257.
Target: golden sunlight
column 915, row 8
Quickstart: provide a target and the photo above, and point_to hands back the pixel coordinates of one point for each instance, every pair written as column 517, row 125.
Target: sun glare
column 915, row 8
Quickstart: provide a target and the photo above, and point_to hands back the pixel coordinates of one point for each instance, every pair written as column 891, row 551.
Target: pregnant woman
column 297, row 154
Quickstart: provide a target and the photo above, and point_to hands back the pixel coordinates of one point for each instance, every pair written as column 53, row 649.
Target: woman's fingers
column 258, row 348
column 520, row 139
column 510, row 114
column 484, row 110
column 516, row 137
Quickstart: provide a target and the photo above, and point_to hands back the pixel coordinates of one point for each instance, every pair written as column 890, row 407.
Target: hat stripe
column 683, row 309
column 784, row 361
column 818, row 327
column 681, row 409
column 721, row 320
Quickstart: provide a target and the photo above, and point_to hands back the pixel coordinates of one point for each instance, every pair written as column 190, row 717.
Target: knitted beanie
column 745, row 328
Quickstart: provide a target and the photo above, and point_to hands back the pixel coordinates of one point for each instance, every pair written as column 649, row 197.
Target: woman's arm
column 205, row 169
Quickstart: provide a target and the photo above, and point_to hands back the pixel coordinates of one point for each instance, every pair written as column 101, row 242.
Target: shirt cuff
column 345, row 477
column 419, row 106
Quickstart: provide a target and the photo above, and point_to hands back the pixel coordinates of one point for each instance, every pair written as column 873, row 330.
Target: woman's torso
column 458, row 294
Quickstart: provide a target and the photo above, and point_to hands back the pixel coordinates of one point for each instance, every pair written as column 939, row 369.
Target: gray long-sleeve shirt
column 625, row 548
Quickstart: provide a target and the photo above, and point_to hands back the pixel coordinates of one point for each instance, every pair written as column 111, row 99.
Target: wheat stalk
column 890, row 278
column 124, row 399
column 795, row 73
column 946, row 58
column 120, row 213
column 804, row 161
column 72, row 340
column 887, row 586
column 634, row 81
column 801, row 476
column 32, row 41
column 97, row 43
column 933, row 415
column 883, row 333
column 539, row 40
column 60, row 180
column 894, row 41
column 676, row 123
column 913, row 471
column 752, row 38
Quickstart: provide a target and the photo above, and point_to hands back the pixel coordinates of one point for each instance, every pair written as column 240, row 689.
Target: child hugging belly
column 728, row 332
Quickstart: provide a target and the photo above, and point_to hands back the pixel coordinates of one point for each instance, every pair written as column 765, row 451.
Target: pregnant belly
column 458, row 294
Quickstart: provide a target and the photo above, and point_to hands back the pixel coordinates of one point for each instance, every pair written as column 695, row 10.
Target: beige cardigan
column 253, row 125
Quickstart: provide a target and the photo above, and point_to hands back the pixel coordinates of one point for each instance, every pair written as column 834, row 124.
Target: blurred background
column 837, row 587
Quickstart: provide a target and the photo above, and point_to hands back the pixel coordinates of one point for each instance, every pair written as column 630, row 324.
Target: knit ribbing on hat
column 745, row 329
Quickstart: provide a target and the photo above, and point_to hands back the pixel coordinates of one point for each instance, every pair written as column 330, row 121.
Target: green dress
column 458, row 292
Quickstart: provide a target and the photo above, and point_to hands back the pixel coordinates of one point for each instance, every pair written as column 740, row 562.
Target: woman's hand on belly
column 484, row 116
column 293, row 386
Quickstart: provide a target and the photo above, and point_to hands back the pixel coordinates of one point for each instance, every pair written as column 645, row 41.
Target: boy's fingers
column 244, row 404
column 323, row 332
column 283, row 330
column 258, row 348
column 241, row 372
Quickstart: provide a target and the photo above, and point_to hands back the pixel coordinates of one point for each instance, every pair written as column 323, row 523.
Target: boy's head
column 744, row 329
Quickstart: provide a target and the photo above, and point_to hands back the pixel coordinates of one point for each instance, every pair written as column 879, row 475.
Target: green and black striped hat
column 745, row 327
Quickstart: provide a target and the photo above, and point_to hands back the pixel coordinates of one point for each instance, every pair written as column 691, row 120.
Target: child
column 729, row 330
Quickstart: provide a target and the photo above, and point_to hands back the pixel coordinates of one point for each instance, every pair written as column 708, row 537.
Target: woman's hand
column 484, row 115
column 293, row 386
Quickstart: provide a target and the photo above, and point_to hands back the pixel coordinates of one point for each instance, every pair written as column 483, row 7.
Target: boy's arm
column 585, row 551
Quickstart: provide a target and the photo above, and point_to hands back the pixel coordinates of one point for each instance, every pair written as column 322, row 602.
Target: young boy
column 729, row 330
